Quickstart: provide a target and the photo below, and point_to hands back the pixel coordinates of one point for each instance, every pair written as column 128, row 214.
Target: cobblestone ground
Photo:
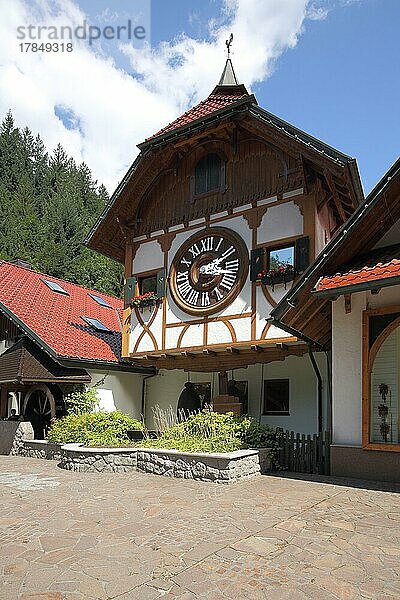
column 75, row 536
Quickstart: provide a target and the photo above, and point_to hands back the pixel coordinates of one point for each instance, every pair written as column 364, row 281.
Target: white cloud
column 115, row 110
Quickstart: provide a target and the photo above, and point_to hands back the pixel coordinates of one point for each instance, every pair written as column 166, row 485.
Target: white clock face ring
column 208, row 271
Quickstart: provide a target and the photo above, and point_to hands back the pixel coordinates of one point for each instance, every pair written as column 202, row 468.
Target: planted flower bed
column 207, row 446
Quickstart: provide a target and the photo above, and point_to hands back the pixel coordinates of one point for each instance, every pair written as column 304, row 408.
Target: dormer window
column 208, row 175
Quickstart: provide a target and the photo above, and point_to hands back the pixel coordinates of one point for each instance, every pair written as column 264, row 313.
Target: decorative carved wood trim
column 146, row 327
column 166, row 240
column 210, row 320
column 231, row 358
column 255, row 216
column 126, row 331
column 265, row 330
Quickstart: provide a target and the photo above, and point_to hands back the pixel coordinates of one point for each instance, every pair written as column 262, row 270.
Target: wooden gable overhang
column 301, row 162
column 306, row 314
column 25, row 363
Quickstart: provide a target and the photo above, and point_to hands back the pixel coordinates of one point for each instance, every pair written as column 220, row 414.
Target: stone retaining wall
column 12, row 435
column 75, row 457
column 40, row 449
column 221, row 468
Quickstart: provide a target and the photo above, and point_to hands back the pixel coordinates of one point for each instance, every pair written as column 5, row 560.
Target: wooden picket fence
column 302, row 453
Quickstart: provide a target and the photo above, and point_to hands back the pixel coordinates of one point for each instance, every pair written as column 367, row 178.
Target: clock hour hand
column 213, row 268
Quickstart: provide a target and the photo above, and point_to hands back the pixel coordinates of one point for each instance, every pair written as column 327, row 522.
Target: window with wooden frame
column 381, row 379
column 276, row 397
column 152, row 281
column 209, row 175
column 292, row 257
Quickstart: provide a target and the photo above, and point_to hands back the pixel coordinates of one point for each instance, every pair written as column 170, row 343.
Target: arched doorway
column 384, row 380
column 39, row 409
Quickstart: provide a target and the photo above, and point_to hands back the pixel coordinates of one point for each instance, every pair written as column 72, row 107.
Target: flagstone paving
column 76, row 536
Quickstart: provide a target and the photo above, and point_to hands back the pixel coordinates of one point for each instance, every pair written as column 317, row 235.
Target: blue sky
column 341, row 83
column 330, row 67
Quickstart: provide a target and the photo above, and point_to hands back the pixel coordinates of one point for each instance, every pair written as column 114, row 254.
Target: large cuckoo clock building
column 221, row 212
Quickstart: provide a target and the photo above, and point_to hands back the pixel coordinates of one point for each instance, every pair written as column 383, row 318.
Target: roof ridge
column 31, row 270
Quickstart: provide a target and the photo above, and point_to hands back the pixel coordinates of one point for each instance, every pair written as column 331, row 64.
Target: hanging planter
column 383, row 412
column 281, row 274
column 145, row 300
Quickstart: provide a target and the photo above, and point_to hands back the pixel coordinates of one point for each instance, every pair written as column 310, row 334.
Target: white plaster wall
column 347, row 362
column 346, row 370
column 218, row 333
column 165, row 388
column 119, row 391
column 280, row 221
column 303, row 399
column 148, row 257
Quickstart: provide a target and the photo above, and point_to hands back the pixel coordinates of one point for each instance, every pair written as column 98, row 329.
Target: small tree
column 83, row 401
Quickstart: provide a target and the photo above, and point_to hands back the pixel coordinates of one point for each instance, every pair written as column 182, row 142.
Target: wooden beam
column 256, row 348
column 335, row 195
column 188, row 354
column 233, row 350
column 209, row 352
column 282, row 346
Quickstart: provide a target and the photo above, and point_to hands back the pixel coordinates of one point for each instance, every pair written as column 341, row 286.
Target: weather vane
column 228, row 43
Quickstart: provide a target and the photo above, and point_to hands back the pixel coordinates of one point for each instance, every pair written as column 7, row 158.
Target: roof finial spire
column 229, row 43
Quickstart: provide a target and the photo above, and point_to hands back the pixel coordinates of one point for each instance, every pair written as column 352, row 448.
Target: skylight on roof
column 55, row 287
column 100, row 300
column 96, row 324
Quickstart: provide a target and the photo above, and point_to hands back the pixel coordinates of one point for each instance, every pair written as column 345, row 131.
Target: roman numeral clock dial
column 208, row 271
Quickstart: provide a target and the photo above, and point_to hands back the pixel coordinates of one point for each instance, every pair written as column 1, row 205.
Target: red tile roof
column 383, row 263
column 214, row 102
column 57, row 318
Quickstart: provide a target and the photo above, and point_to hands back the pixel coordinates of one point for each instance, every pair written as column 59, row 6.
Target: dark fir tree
column 47, row 205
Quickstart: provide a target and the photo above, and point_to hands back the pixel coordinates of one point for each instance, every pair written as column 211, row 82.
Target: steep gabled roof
column 228, row 92
column 53, row 319
column 228, row 100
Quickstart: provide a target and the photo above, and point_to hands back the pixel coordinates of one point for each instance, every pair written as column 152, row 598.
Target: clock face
column 209, row 271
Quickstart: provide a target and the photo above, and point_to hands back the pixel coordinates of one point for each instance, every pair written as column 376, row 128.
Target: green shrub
column 84, row 401
column 94, row 429
column 214, row 432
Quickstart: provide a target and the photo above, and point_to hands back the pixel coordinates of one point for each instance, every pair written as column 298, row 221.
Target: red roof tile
column 57, row 318
column 214, row 102
column 383, row 263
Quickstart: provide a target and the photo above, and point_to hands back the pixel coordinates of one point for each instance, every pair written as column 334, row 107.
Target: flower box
column 145, row 300
column 281, row 274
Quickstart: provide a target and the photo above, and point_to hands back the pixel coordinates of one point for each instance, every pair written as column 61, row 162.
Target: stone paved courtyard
column 75, row 536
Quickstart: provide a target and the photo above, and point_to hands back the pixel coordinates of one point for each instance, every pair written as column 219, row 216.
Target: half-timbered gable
column 221, row 212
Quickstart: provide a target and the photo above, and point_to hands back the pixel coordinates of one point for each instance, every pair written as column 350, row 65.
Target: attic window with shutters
column 208, row 175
